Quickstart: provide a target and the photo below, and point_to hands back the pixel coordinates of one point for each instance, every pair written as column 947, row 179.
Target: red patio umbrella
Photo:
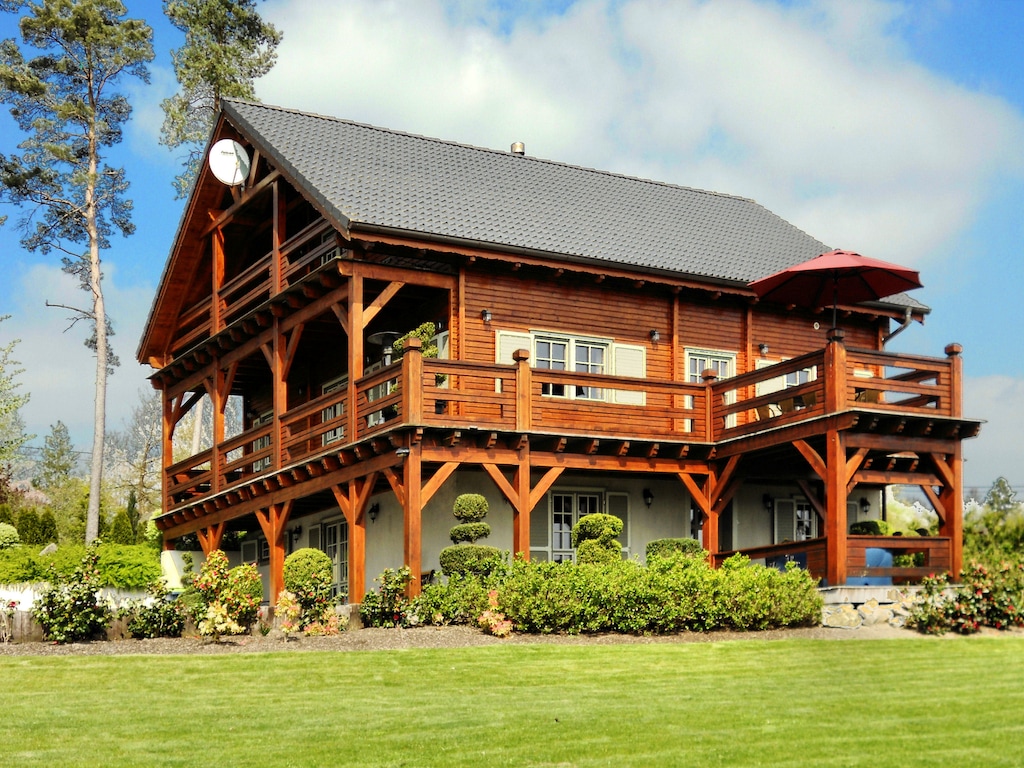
column 833, row 277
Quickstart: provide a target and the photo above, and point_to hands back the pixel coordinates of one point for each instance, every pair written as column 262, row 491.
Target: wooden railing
column 932, row 553
column 516, row 398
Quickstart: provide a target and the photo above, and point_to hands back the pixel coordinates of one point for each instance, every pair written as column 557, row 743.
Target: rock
column 842, row 617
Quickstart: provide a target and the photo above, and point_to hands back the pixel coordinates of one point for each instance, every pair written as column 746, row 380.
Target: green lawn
column 920, row 702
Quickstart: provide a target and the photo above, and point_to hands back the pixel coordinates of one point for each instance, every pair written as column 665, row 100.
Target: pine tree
column 58, row 459
column 227, row 46
column 64, row 99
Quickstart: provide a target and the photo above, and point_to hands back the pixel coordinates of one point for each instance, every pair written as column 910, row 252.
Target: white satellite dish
column 229, row 162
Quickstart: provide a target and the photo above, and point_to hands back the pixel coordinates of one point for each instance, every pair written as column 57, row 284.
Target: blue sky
column 892, row 129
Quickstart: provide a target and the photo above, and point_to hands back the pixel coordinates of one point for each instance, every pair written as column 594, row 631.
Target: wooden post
column 412, row 377
column 167, row 448
column 356, row 365
column 952, row 495
column 217, row 275
column 835, row 507
column 279, row 382
column 524, row 392
column 273, row 520
column 710, row 433
column 413, row 517
column 523, row 507
column 835, row 372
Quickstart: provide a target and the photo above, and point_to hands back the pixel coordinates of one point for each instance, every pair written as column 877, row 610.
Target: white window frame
column 333, row 411
column 618, row 360
column 337, row 551
column 710, row 356
column 261, row 442
column 542, row 520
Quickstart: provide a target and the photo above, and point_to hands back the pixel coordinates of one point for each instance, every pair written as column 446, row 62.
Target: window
column 335, row 411
column 334, row 542
column 261, row 443
column 700, row 360
column 795, row 520
column 562, row 352
column 551, row 524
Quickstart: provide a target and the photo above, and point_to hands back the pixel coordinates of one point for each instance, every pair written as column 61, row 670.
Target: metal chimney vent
column 518, row 148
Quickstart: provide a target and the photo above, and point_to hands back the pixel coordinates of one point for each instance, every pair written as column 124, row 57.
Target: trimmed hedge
column 469, row 532
column 670, row 547
column 122, row 566
column 871, row 528
column 470, row 507
column 469, row 558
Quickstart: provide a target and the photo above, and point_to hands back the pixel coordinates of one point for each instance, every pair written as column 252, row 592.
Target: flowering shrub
column 224, row 601
column 983, row 598
column 492, row 621
column 7, row 610
column 388, row 606
column 156, row 616
column 68, row 610
column 288, row 613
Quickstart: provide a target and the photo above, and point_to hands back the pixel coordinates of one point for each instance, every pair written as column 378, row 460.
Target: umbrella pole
column 835, row 297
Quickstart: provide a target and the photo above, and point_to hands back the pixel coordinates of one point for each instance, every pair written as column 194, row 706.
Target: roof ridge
column 489, row 150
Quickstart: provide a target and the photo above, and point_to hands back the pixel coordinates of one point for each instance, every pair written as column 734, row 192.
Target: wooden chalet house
column 599, row 349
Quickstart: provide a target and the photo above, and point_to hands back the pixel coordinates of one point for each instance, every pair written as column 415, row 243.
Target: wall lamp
column 768, row 501
column 655, row 336
column 296, row 532
column 401, row 452
column 485, row 315
column 865, row 505
column 373, row 511
column 648, row 497
column 762, row 348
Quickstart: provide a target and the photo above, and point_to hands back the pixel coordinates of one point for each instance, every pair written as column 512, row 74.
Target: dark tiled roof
column 367, row 176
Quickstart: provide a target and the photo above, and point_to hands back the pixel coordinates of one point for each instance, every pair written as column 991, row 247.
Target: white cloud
column 999, row 450
column 59, row 371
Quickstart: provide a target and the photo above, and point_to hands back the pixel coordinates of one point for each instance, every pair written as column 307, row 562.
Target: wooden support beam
column 273, row 520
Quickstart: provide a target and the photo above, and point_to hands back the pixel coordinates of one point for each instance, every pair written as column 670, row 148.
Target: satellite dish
column 229, row 162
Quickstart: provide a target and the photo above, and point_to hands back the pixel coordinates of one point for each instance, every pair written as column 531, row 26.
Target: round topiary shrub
column 308, row 574
column 469, row 532
column 871, row 528
column 8, row 536
column 470, row 508
column 595, row 552
column 466, row 559
column 669, row 547
column 596, row 527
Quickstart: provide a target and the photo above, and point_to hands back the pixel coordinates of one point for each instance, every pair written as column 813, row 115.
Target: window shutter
column 618, row 505
column 772, row 385
column 506, row 344
column 785, row 520
column 629, row 360
column 540, row 527
column 314, row 537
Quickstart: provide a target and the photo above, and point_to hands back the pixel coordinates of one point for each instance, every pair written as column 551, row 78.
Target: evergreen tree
column 64, row 99
column 227, row 46
column 1001, row 498
column 58, row 459
column 12, row 429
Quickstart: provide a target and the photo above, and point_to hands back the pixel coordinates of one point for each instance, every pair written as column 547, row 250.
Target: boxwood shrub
column 871, row 528
column 667, row 547
column 122, row 566
column 469, row 558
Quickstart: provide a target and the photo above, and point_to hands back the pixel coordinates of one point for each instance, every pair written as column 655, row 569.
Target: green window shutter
column 540, row 527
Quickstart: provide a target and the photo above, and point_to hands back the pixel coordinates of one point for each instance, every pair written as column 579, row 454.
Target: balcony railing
column 516, row 398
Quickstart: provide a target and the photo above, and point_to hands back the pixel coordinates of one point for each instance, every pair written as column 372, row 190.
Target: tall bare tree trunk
column 92, row 517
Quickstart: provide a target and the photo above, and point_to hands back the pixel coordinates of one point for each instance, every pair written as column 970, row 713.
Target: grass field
column 921, row 702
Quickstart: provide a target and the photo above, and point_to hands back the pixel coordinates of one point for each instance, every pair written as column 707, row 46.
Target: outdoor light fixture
column 373, row 512
column 865, row 505
column 648, row 497
column 296, row 532
column 485, row 315
column 401, row 452
column 762, row 348
column 769, row 502
column 655, row 336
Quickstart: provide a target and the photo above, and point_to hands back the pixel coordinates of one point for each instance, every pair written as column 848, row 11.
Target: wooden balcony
column 454, row 395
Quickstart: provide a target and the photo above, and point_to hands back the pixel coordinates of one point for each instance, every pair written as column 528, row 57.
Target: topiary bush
column 669, row 547
column 465, row 559
column 8, row 536
column 871, row 528
column 594, row 537
column 466, row 556
column 469, row 532
column 308, row 574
